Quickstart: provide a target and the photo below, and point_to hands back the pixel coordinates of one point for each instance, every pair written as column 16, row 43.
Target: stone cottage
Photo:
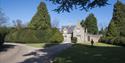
column 79, row 32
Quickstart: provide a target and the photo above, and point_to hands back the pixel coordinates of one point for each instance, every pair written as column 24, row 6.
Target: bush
column 108, row 40
column 119, row 41
column 57, row 37
column 3, row 33
column 34, row 36
column 113, row 40
column 122, row 40
column 74, row 39
column 27, row 36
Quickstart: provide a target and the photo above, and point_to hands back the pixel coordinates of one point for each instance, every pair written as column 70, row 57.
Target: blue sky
column 25, row 9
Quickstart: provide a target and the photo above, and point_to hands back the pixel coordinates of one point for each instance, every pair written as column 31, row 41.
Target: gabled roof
column 69, row 28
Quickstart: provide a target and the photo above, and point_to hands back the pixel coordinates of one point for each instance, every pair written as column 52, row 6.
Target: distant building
column 67, row 33
column 79, row 32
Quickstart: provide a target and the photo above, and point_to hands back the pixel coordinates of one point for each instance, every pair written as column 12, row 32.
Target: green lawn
column 105, row 45
column 41, row 45
column 100, row 53
column 37, row 45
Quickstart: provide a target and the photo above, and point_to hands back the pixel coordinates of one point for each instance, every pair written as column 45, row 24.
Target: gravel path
column 25, row 54
column 15, row 53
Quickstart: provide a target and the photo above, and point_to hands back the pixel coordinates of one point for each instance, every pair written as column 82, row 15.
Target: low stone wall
column 67, row 38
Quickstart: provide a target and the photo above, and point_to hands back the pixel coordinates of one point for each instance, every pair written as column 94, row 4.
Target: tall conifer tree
column 91, row 24
column 116, row 28
column 41, row 20
column 118, row 20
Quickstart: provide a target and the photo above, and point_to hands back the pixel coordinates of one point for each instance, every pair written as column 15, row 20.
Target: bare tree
column 55, row 23
column 3, row 18
column 3, row 30
column 18, row 24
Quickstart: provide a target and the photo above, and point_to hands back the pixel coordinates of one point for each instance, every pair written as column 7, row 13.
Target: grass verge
column 101, row 53
column 37, row 45
column 41, row 45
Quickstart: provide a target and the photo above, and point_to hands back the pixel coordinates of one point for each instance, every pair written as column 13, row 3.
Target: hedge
column 35, row 36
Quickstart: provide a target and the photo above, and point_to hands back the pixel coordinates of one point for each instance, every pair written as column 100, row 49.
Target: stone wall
column 95, row 38
column 67, row 38
column 80, row 33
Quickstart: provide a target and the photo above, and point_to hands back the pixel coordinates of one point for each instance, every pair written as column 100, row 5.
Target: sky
column 25, row 10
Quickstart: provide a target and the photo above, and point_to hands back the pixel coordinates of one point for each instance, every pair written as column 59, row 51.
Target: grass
column 104, row 44
column 37, row 45
column 100, row 53
column 41, row 45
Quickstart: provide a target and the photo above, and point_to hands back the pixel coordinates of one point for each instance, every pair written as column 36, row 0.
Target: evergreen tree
column 102, row 31
column 112, row 30
column 40, row 31
column 69, row 5
column 91, row 24
column 116, row 28
column 82, row 23
column 118, row 20
column 41, row 20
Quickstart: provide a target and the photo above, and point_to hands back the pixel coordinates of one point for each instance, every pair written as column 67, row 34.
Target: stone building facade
column 79, row 32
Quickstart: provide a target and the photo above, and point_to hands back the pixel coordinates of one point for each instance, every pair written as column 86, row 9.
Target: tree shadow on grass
column 45, row 55
column 6, row 47
column 80, row 53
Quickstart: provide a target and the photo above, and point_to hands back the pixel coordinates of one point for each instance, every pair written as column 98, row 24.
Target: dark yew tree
column 116, row 28
column 40, row 29
column 91, row 24
column 112, row 30
column 118, row 20
column 41, row 20
column 68, row 5
column 102, row 31
column 82, row 23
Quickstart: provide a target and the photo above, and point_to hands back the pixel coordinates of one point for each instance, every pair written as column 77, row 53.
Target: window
column 88, row 38
column 65, row 36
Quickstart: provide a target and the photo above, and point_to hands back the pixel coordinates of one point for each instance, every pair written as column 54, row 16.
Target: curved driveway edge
column 22, row 53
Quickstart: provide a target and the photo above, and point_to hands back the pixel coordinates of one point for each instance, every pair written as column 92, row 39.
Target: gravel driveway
column 25, row 54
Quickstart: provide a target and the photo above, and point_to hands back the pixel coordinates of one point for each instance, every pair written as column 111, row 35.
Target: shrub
column 122, row 40
column 119, row 41
column 74, row 39
column 113, row 40
column 26, row 36
column 35, row 36
column 57, row 37
column 3, row 33
column 106, row 40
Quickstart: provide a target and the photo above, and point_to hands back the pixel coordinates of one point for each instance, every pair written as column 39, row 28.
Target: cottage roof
column 68, row 28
